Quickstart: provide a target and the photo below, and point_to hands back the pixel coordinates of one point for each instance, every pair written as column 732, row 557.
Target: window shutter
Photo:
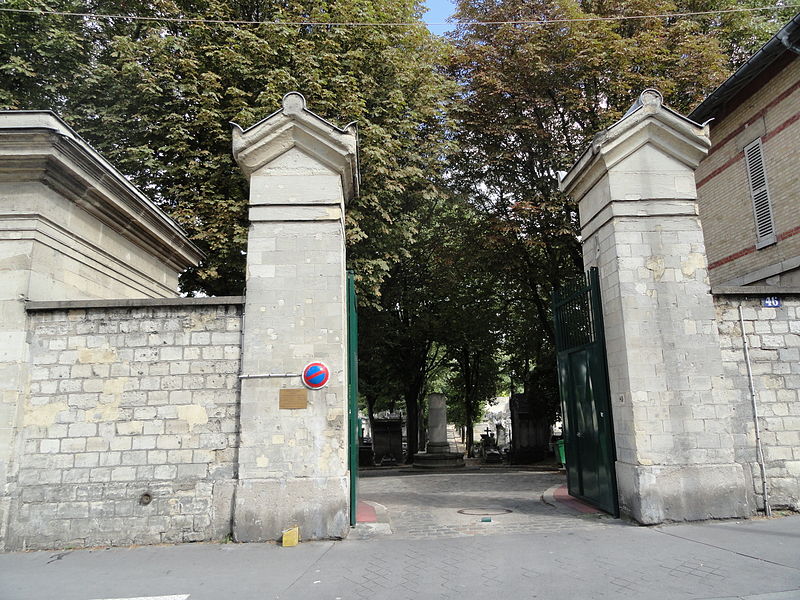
column 759, row 192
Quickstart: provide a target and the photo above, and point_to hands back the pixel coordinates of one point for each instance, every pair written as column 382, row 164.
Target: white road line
column 178, row 597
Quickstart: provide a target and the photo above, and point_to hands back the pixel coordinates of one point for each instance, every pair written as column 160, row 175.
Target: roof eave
column 785, row 40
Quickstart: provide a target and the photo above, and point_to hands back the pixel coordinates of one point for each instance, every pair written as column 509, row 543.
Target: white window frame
column 759, row 194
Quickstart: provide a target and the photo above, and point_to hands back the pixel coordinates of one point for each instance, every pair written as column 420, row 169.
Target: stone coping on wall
column 38, row 146
column 33, row 306
column 755, row 290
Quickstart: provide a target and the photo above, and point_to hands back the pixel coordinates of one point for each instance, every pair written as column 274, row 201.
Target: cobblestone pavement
column 426, row 505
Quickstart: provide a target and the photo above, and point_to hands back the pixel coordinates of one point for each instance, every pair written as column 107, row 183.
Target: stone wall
column 71, row 228
column 774, row 338
column 128, row 403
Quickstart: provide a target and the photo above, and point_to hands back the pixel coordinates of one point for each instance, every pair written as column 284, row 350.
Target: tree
column 440, row 317
column 530, row 99
column 156, row 98
column 400, row 333
column 473, row 310
column 39, row 55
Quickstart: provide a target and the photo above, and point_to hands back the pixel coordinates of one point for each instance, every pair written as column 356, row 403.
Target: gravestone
column 530, row 433
column 387, row 441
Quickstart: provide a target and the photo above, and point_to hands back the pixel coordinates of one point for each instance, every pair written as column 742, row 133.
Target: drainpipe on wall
column 232, row 522
column 759, row 448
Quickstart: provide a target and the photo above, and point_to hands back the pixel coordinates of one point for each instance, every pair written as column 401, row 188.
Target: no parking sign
column 316, row 375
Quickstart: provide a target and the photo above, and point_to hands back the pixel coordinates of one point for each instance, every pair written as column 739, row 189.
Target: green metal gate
column 583, row 382
column 354, row 424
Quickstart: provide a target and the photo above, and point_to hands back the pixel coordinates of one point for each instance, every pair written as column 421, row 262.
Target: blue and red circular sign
column 316, row 375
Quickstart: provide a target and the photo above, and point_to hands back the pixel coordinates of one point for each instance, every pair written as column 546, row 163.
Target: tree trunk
column 422, row 442
column 371, row 400
column 413, row 395
column 412, row 426
column 469, row 417
column 470, row 433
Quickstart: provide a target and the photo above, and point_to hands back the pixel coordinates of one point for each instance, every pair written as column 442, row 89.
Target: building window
column 759, row 192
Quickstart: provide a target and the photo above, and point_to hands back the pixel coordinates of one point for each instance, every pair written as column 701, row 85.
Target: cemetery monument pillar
column 438, row 452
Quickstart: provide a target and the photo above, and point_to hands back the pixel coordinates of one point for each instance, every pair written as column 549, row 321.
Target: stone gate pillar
column 639, row 225
column 293, row 448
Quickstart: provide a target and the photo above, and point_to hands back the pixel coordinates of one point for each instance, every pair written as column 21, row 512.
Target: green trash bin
column 560, row 451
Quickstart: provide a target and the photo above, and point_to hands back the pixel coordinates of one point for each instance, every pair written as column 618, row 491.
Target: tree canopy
column 460, row 234
column 157, row 97
column 530, row 99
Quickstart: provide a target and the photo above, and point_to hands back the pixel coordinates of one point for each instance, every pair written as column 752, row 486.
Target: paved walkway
column 421, row 504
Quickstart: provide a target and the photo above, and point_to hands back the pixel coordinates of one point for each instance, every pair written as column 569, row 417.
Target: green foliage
column 477, row 281
column 460, row 234
column 157, row 98
column 398, row 336
column 39, row 55
column 472, row 311
column 531, row 97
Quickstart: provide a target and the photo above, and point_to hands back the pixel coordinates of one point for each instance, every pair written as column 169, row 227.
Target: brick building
column 748, row 190
column 749, row 184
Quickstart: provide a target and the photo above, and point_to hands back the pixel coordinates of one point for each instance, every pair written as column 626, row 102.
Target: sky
column 438, row 11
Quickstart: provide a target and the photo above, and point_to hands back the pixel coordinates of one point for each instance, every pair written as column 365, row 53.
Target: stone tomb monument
column 387, row 441
column 438, row 454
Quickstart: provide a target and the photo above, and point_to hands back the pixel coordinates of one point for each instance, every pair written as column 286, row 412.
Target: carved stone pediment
column 296, row 127
column 648, row 122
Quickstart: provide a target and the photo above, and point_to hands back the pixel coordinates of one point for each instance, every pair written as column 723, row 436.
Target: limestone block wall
column 642, row 282
column 71, row 228
column 774, row 338
column 128, row 404
column 671, row 407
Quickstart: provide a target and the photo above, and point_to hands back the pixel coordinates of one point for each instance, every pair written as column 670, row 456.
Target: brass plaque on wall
column 293, row 398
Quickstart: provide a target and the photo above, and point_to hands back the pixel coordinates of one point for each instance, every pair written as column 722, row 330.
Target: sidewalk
column 507, row 533
column 756, row 560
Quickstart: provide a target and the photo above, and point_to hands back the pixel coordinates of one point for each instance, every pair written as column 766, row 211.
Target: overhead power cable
column 395, row 24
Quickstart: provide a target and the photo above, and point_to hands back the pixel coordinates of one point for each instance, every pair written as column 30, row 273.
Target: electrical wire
column 393, row 24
